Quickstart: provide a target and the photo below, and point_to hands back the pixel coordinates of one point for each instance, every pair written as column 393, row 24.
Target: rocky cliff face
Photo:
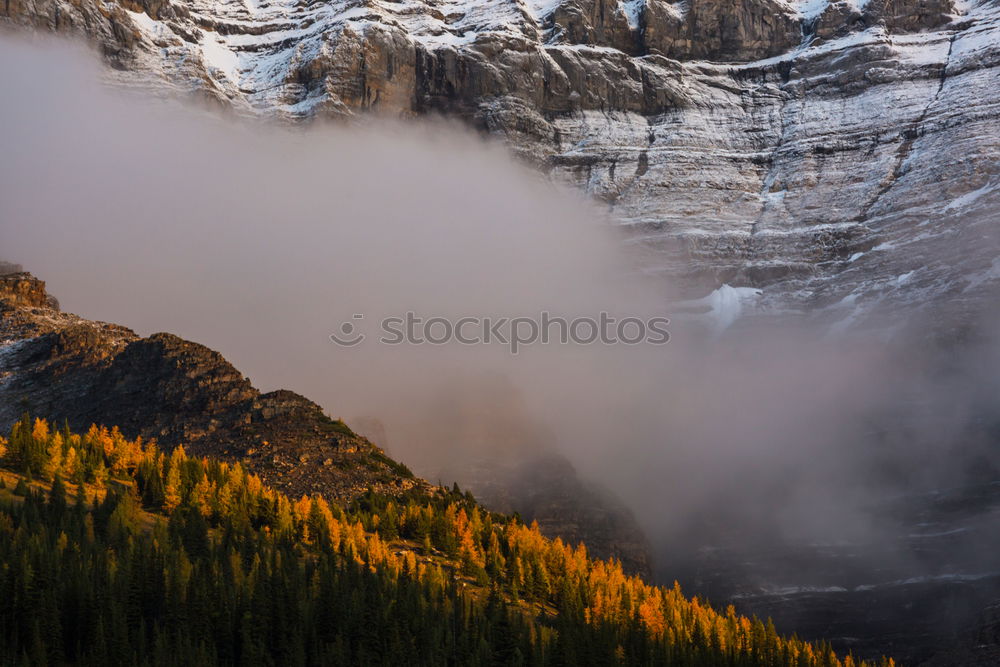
column 837, row 155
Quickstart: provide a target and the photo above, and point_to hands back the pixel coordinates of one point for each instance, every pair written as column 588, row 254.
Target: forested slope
column 113, row 552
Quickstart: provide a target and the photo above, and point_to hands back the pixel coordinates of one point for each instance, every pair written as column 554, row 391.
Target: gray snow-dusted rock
column 594, row 22
column 855, row 140
column 721, row 29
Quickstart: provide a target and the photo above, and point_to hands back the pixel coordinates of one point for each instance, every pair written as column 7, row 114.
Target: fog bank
column 260, row 241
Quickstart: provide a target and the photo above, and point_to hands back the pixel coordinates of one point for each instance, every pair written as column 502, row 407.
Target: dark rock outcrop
column 905, row 16
column 594, row 22
column 178, row 393
column 720, row 30
column 840, row 17
column 22, row 290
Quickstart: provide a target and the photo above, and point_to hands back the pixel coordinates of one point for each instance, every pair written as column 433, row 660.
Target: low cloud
column 261, row 241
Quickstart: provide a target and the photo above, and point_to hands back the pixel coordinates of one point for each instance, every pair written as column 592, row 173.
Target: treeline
column 123, row 554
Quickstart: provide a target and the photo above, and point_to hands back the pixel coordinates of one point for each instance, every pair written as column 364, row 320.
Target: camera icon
column 348, row 336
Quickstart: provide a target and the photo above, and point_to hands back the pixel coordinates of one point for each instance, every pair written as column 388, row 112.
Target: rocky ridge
column 179, row 393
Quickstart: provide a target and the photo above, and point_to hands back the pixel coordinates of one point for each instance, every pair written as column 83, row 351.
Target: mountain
column 834, row 161
column 181, row 393
column 177, row 392
column 178, row 560
column 837, row 155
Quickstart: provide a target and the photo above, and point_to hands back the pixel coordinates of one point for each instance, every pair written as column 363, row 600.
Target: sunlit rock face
column 855, row 173
column 179, row 393
column 764, row 143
